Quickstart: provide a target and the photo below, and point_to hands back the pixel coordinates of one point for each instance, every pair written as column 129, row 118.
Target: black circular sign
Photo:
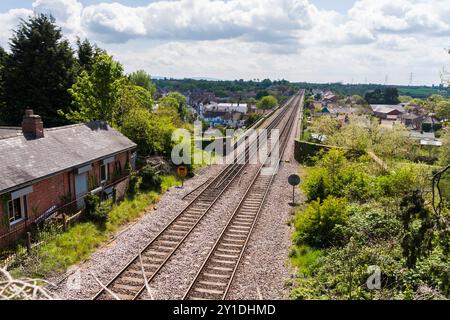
column 294, row 180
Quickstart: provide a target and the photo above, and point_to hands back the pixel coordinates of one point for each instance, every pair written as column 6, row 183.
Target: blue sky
column 299, row 40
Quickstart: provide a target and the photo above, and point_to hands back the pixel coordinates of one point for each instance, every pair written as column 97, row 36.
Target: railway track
column 130, row 282
column 215, row 276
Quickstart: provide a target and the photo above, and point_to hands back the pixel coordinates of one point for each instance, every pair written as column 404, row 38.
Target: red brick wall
column 48, row 193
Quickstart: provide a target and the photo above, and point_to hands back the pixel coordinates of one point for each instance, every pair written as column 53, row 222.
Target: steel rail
column 287, row 129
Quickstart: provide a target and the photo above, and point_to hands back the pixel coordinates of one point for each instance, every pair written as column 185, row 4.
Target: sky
column 350, row 41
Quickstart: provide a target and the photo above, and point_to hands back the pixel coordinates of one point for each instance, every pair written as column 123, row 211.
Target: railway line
column 215, row 276
column 131, row 281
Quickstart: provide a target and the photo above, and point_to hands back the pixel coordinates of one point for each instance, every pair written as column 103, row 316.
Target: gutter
column 31, row 182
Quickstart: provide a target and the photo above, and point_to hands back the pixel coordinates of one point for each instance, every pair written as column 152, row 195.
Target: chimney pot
column 28, row 113
column 32, row 125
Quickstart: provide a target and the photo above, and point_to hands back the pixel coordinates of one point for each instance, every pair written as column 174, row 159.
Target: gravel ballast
column 264, row 268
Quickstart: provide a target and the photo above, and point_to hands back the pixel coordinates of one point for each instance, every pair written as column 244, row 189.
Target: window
column 104, row 173
column 17, row 209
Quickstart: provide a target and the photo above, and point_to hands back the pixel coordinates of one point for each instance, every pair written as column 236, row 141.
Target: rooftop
column 386, row 108
column 24, row 160
column 9, row 131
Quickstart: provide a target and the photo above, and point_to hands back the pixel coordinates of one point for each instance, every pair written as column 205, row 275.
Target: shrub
column 317, row 225
column 402, row 180
column 371, row 223
column 151, row 180
column 135, row 183
column 314, row 185
column 169, row 182
column 96, row 210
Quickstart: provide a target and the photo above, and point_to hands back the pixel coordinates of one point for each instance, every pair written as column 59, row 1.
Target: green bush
column 371, row 223
column 135, row 183
column 315, row 186
column 96, row 210
column 151, row 180
column 402, row 180
column 317, row 226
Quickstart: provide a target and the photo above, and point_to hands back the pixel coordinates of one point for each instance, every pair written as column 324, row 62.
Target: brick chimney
column 32, row 125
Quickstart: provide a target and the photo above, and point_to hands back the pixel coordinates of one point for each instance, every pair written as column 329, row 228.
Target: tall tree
column 182, row 103
column 87, row 53
column 3, row 56
column 267, row 102
column 39, row 71
column 97, row 95
column 142, row 79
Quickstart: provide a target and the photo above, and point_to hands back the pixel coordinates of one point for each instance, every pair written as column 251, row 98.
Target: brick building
column 43, row 169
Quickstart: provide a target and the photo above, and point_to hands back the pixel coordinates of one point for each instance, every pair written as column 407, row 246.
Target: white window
column 104, row 173
column 17, row 209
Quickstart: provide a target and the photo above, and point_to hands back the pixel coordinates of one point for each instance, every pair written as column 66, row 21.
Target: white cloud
column 9, row 21
column 408, row 16
column 66, row 12
column 263, row 20
column 291, row 39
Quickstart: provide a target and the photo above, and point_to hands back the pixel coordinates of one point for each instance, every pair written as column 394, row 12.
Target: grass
column 76, row 245
column 169, row 182
column 304, row 257
column 130, row 209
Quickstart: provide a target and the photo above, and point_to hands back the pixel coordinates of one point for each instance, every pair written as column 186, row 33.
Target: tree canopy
column 38, row 72
column 142, row 79
column 87, row 54
column 96, row 94
column 267, row 102
column 387, row 96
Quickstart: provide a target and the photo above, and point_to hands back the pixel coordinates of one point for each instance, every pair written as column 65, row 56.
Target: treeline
column 236, row 91
column 240, row 88
column 420, row 92
column 75, row 85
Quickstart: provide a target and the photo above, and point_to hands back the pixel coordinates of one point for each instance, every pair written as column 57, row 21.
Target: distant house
column 43, row 169
column 389, row 112
column 226, row 107
column 411, row 121
column 425, row 138
column 329, row 97
column 346, row 110
column 230, row 114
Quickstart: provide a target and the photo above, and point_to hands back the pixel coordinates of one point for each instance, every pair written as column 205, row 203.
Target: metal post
column 293, row 195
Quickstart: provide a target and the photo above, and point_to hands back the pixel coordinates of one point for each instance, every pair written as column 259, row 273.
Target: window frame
column 23, row 210
column 106, row 166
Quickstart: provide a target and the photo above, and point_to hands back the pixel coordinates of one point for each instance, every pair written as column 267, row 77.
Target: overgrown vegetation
column 361, row 223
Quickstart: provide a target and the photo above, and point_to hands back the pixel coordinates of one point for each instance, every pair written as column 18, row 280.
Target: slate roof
column 25, row 160
column 386, row 108
column 9, row 131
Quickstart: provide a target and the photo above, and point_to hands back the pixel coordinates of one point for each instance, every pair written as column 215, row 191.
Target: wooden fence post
column 64, row 222
column 29, row 242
